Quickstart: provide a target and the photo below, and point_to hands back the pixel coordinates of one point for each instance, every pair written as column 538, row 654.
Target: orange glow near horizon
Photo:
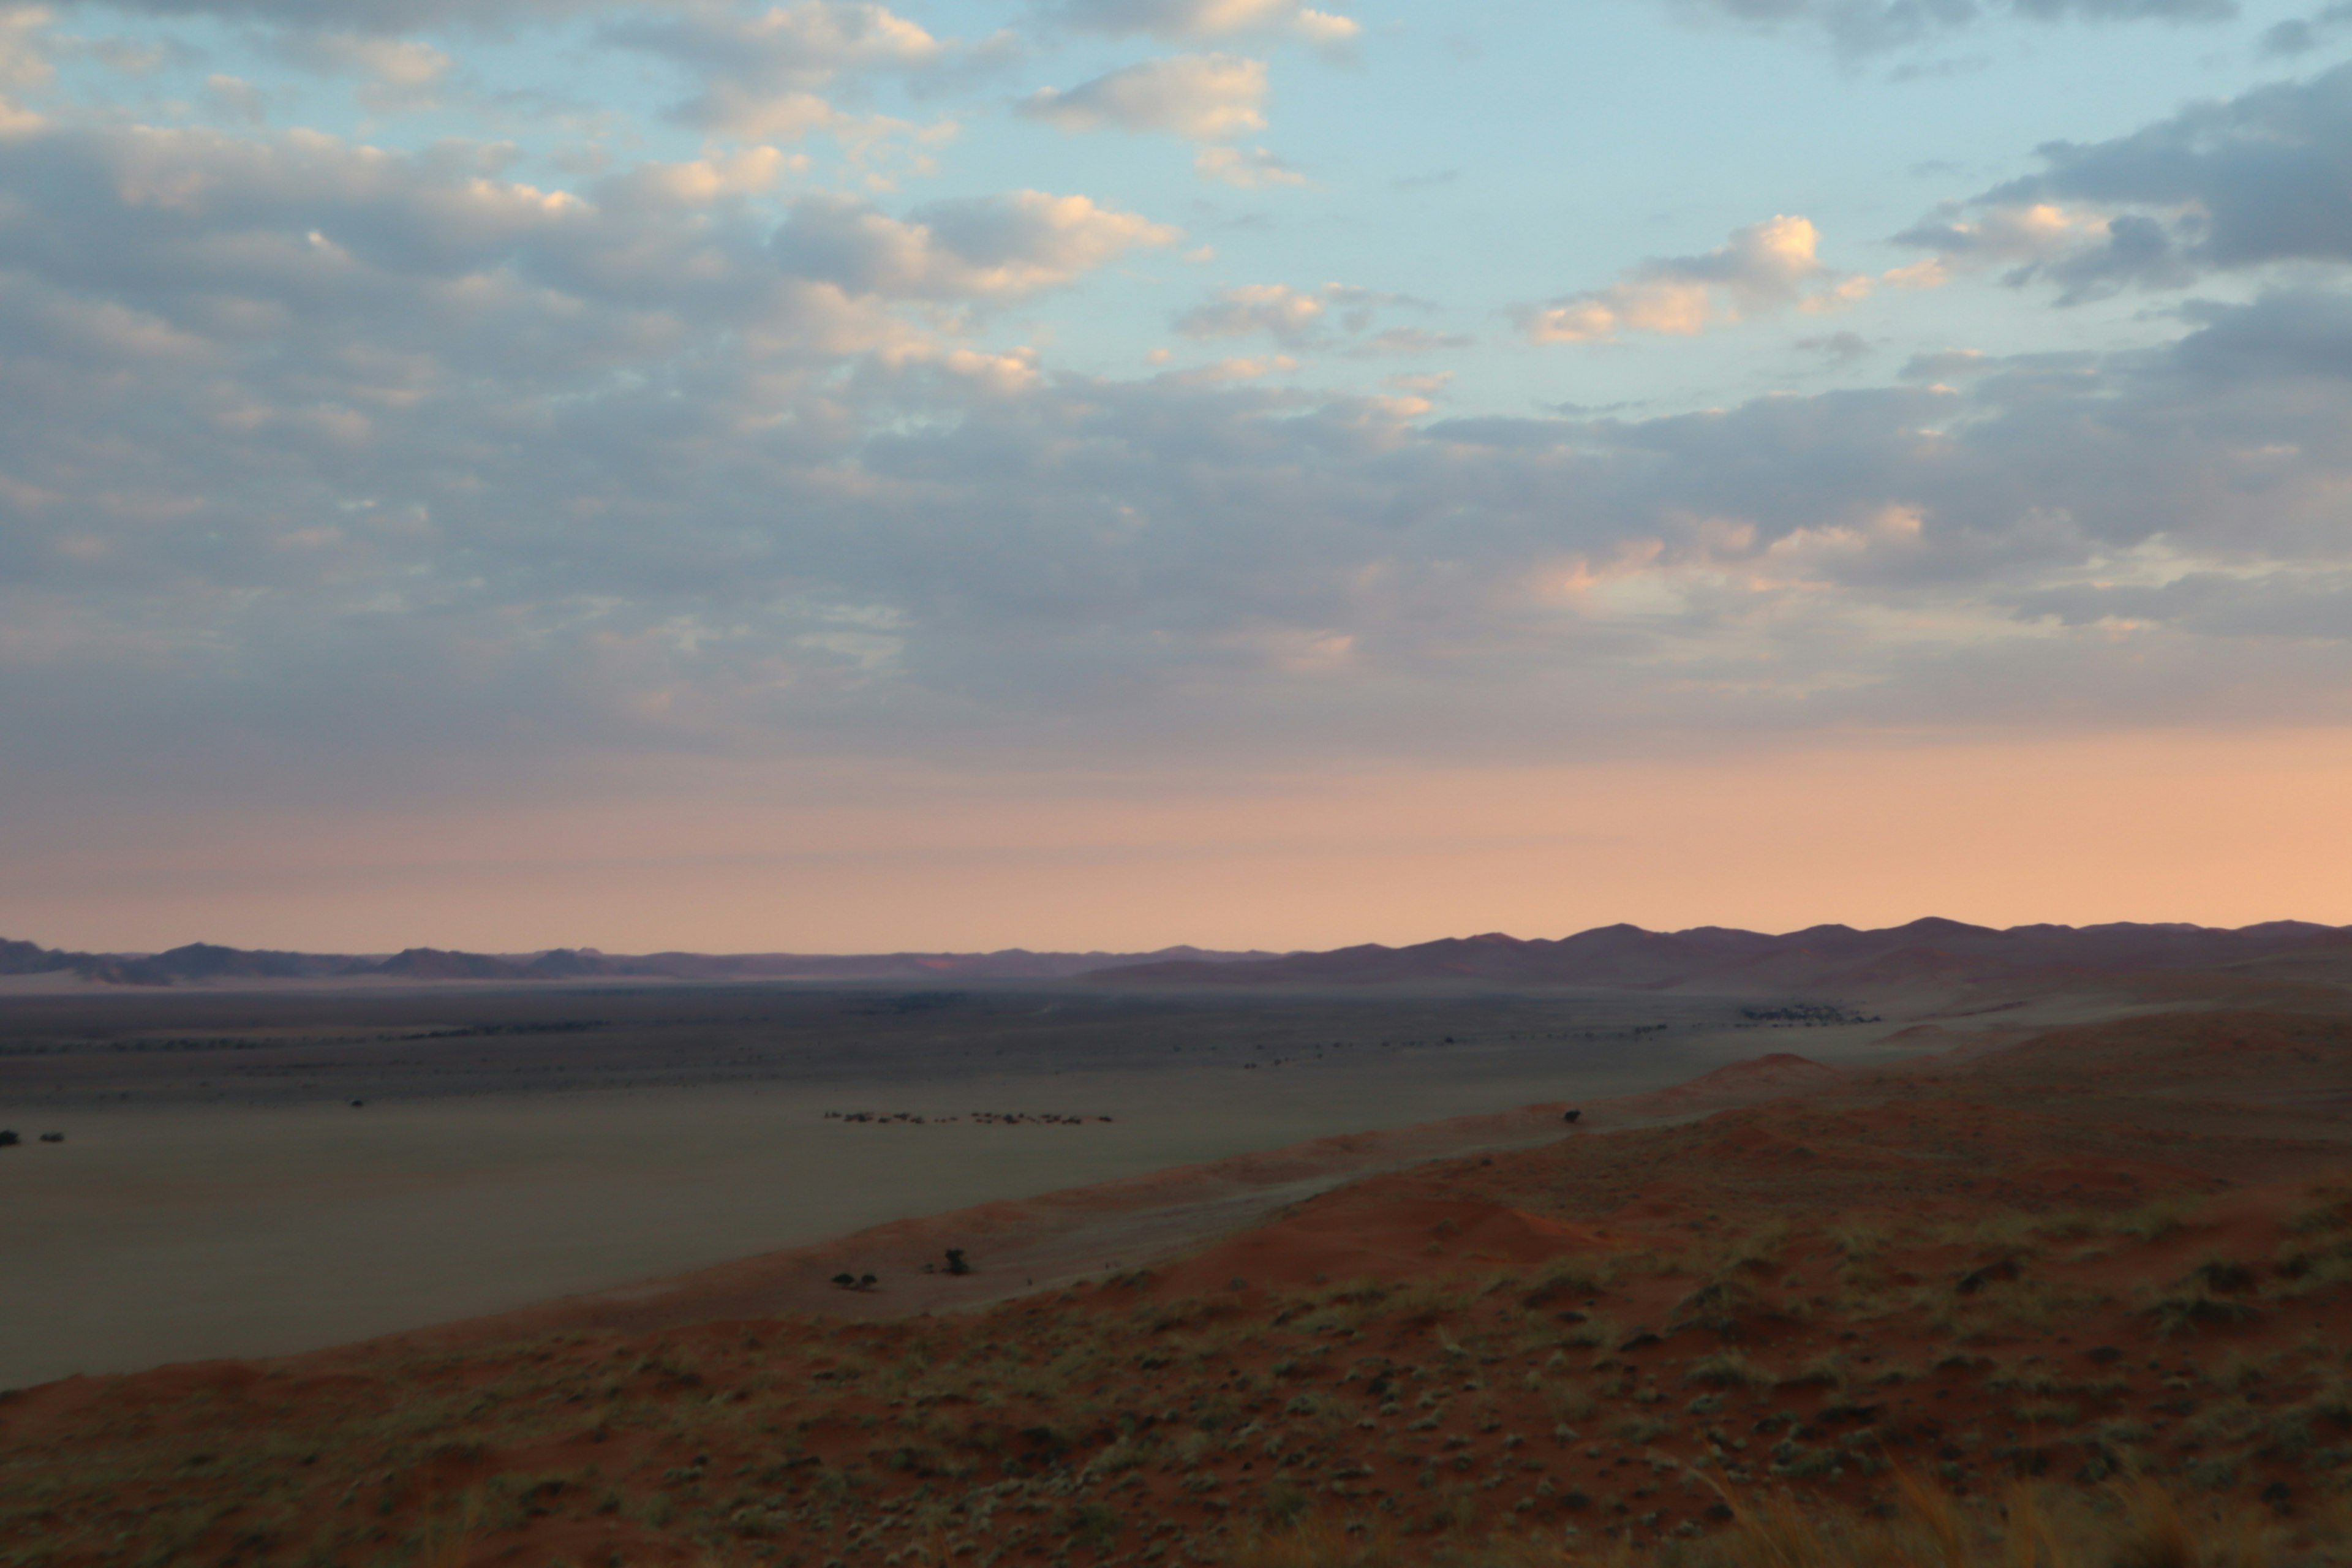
column 2217, row 829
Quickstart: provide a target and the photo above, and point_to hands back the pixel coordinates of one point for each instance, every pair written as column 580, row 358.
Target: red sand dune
column 1778, row 1076
column 1388, row 1227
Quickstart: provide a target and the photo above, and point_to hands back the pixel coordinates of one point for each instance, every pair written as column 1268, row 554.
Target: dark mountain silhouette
column 206, row 961
column 203, row 961
column 32, row 958
column 432, row 963
column 1010, row 963
column 1628, row 957
column 1623, row 957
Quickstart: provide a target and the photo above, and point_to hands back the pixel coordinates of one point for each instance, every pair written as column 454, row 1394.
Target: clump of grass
column 1599, row 1331
column 2137, row 1523
column 1758, row 1249
column 1727, row 1369
column 449, row 1542
column 1569, row 1401
column 2330, row 1208
column 2187, row 1307
column 2152, row 1221
column 1857, row 1243
column 1718, row 1305
column 1829, row 1371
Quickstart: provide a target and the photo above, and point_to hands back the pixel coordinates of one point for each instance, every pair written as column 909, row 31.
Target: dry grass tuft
column 448, row 1544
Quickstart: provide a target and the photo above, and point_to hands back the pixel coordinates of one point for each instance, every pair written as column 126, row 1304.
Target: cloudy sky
column 1110, row 472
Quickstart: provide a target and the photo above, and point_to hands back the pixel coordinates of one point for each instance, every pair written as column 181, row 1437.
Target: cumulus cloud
column 1276, row 310
column 24, row 60
column 1945, row 364
column 315, row 447
column 1410, row 340
column 1300, row 319
column 1766, row 266
column 1205, row 98
column 1197, row 21
column 1838, row 348
column 1251, row 169
column 997, row 247
column 395, row 62
column 2301, row 35
column 2230, row 184
column 701, row 182
column 762, row 75
column 390, row 17
column 395, row 73
column 1868, row 26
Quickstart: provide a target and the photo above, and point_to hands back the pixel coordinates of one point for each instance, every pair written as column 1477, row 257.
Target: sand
column 1972, row 1269
column 230, row 1202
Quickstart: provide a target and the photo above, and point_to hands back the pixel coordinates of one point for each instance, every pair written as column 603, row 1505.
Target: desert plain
column 218, row 1193
column 2033, row 1265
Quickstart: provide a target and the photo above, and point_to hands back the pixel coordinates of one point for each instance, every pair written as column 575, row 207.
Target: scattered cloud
column 422, row 447
column 2302, row 35
column 1766, row 266
column 1412, row 340
column 237, row 99
column 1945, row 364
column 323, row 448
column 1251, row 170
column 1202, row 21
column 2221, row 185
column 763, row 76
column 24, row 60
column 997, row 247
column 395, row 62
column 396, row 74
column 1301, row 319
column 1205, row 98
column 1872, row 26
column 1838, row 348
column 385, row 16
column 1276, row 310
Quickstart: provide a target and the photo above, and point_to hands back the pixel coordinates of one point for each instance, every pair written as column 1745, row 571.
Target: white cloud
column 317, row 450
column 1001, row 248
column 385, row 16
column 1868, row 26
column 1201, row 21
column 764, row 75
column 1334, row 34
column 237, row 98
column 1203, row 97
column 1297, row 318
column 1766, row 266
column 1275, row 309
column 25, row 63
column 394, row 62
column 699, row 182
column 2221, row 185
column 1252, row 169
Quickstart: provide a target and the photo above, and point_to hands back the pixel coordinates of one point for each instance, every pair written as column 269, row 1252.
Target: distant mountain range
column 205, row 962
column 1628, row 957
column 1623, row 957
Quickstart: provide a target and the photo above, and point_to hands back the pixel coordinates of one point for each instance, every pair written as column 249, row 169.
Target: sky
column 1093, row 474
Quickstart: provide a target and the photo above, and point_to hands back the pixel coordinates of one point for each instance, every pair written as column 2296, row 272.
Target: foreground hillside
column 1915, row 1302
